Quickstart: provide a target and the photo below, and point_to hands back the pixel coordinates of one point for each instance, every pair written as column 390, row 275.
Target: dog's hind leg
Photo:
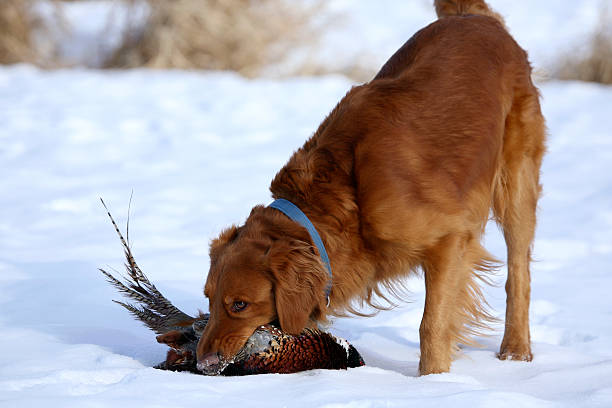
column 515, row 200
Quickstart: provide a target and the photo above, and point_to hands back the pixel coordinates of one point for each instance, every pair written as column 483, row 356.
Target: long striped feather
column 153, row 309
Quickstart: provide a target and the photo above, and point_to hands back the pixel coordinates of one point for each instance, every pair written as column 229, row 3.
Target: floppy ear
column 300, row 281
column 226, row 236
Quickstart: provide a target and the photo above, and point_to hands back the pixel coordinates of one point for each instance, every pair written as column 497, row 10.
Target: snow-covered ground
column 199, row 150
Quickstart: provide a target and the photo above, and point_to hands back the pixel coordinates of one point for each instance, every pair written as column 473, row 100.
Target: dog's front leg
column 446, row 278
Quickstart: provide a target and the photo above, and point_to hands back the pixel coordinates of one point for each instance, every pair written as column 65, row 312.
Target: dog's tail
column 446, row 8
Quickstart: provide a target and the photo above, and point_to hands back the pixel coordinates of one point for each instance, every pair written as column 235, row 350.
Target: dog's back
column 456, row 28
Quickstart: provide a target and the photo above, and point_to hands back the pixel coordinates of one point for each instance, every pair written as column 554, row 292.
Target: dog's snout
column 210, row 359
column 209, row 363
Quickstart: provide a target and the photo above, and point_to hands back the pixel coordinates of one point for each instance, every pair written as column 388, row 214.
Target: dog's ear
column 300, row 280
column 226, row 236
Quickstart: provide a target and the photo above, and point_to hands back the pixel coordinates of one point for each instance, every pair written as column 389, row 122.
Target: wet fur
column 400, row 177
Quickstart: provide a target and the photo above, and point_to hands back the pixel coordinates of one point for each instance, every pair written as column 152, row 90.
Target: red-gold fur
column 401, row 176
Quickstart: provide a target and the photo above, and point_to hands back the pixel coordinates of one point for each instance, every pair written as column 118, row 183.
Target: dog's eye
column 239, row 306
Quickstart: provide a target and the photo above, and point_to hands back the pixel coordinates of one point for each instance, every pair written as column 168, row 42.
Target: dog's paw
column 516, row 352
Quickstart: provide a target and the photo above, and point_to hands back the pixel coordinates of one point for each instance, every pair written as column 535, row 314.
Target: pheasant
column 268, row 350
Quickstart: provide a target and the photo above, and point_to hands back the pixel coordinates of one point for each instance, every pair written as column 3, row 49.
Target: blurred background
column 279, row 38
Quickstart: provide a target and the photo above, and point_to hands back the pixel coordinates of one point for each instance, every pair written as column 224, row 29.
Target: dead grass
column 592, row 63
column 273, row 38
column 17, row 23
column 239, row 35
column 25, row 37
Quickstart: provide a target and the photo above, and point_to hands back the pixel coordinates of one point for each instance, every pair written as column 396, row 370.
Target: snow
column 199, row 150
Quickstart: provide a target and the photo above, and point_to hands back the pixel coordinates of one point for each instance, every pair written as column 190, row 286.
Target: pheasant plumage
column 268, row 350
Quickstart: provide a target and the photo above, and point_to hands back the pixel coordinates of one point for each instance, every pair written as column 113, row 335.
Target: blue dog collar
column 292, row 211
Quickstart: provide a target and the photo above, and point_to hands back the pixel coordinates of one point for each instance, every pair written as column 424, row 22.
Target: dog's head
column 264, row 271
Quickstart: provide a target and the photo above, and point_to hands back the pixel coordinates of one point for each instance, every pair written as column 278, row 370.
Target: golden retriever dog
column 400, row 177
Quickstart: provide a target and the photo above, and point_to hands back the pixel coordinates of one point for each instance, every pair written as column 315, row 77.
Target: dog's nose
column 209, row 359
column 209, row 363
